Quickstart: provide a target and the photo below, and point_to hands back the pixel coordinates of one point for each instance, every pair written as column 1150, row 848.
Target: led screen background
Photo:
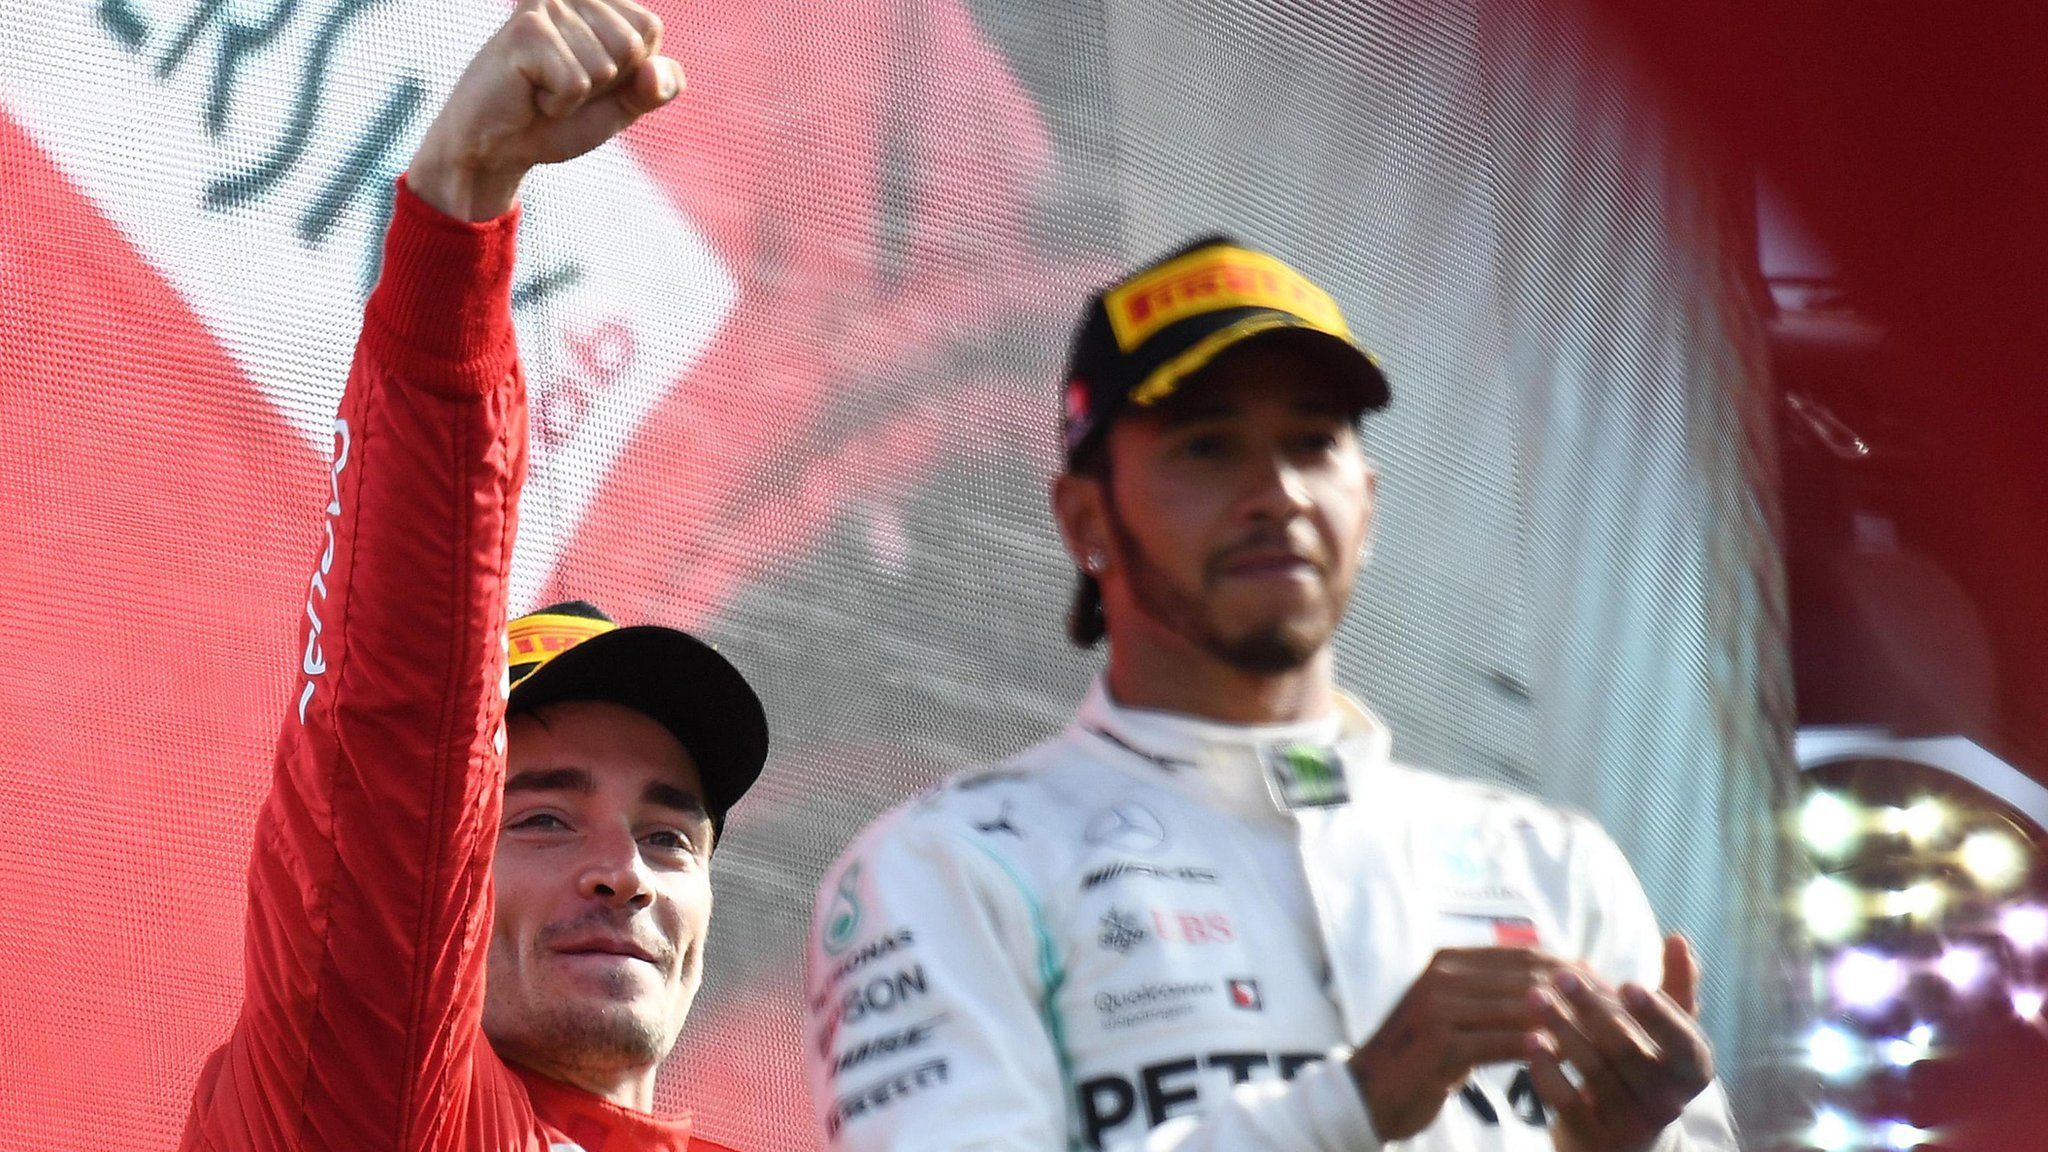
column 795, row 346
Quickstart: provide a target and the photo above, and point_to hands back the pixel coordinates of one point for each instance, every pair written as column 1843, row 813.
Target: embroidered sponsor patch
column 885, row 1045
column 842, row 919
column 999, row 823
column 1305, row 775
column 1150, row 1003
column 882, row 1093
column 1121, row 931
column 1515, row 932
column 1479, row 929
column 1244, row 994
column 1130, row 827
column 1117, row 871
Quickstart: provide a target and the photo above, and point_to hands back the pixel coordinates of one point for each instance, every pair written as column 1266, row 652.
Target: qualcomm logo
column 248, row 147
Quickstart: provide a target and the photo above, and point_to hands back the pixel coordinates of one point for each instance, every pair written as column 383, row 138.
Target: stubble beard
column 556, row 1035
column 608, row 1038
column 1282, row 646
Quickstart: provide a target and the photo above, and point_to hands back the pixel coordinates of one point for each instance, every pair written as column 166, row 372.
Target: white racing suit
column 1155, row 933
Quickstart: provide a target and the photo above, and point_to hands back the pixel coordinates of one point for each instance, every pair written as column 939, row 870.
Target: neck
column 1178, row 677
column 633, row 1088
column 635, row 1091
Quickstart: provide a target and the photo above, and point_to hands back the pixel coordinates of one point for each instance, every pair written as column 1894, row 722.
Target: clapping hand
column 1639, row 1054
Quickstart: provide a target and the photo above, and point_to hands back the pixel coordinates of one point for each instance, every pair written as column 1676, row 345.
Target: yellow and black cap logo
column 1143, row 338
column 572, row 651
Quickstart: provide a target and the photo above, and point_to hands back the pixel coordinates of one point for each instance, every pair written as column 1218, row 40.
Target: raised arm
column 369, row 885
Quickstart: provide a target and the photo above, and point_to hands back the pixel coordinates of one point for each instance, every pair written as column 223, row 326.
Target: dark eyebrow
column 575, row 780
column 582, row 783
column 669, row 796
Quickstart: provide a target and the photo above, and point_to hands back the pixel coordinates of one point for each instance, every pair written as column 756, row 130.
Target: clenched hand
column 560, row 78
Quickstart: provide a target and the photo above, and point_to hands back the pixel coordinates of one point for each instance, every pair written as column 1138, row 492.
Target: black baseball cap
column 1142, row 338
column 572, row 651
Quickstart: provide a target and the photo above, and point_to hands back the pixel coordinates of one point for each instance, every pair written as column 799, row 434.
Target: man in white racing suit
column 1167, row 927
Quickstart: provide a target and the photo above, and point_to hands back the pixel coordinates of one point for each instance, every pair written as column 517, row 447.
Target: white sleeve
column 1624, row 944
column 933, row 1027
column 926, row 990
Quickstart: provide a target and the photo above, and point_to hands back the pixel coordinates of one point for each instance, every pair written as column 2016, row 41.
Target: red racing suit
column 370, row 881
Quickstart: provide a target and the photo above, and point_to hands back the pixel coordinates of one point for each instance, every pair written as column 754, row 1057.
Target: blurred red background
column 1911, row 143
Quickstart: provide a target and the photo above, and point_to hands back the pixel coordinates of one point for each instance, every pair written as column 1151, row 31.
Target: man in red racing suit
column 397, row 856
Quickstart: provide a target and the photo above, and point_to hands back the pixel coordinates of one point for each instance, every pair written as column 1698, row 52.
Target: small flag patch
column 1515, row 932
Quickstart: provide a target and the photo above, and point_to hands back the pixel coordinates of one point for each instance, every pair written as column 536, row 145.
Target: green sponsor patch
column 1306, row 775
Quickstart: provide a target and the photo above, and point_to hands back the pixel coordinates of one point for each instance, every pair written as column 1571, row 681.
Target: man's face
column 603, row 891
column 1235, row 513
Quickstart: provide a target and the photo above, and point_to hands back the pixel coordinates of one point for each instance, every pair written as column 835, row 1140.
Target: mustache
column 1301, row 543
column 627, row 928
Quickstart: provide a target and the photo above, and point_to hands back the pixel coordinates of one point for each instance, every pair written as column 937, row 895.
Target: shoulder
column 989, row 815
column 945, row 879
column 1010, row 799
column 1427, row 787
column 1566, row 837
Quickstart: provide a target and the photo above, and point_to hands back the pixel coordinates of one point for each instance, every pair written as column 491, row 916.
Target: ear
column 1372, row 499
column 1080, row 508
column 1367, row 507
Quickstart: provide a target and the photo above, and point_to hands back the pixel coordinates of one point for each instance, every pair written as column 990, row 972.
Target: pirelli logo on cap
column 1211, row 280
column 534, row 640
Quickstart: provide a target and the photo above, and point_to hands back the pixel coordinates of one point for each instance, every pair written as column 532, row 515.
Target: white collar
column 1242, row 767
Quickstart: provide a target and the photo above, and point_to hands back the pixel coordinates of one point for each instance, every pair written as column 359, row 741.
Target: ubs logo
column 1123, row 930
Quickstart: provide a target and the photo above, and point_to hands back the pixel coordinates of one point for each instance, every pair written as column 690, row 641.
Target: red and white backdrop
column 794, row 345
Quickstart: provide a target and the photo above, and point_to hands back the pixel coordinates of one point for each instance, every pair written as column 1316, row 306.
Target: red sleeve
column 369, row 888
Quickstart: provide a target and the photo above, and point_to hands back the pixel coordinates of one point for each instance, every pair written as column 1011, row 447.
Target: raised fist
column 560, row 78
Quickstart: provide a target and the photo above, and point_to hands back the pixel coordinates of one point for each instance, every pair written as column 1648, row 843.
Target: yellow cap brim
column 1167, row 379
